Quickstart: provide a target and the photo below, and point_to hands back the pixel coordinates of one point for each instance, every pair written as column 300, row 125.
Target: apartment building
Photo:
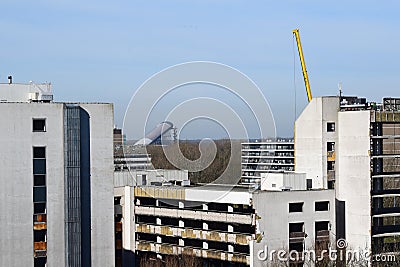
column 56, row 175
column 264, row 156
column 353, row 146
column 221, row 225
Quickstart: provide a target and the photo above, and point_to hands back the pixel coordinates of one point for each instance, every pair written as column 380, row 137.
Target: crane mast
column 303, row 64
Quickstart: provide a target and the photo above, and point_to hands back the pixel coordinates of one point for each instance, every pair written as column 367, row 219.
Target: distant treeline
column 190, row 150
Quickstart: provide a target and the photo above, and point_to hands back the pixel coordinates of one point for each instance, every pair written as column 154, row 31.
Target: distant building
column 119, row 140
column 56, row 180
column 266, row 156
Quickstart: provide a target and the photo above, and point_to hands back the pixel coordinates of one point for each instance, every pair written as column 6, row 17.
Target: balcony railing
column 196, row 214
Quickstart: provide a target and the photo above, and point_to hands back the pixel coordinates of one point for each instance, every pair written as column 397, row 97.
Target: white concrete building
column 354, row 146
column 222, row 225
column 56, row 180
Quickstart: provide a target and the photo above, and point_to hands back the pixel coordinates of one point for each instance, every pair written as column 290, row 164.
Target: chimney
column 10, row 79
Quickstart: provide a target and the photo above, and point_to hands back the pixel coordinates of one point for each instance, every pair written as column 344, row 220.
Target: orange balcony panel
column 118, row 244
column 40, row 218
column 39, row 246
column 40, row 226
column 331, row 156
column 118, row 226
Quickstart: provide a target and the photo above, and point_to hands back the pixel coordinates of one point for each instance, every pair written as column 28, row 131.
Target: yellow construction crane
column 303, row 64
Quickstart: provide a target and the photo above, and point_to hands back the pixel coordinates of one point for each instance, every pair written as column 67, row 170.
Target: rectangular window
column 39, row 208
column 39, row 125
column 39, row 152
column 40, row 262
column 331, row 165
column 39, row 236
column 331, row 146
column 330, row 127
column 322, row 206
column 309, row 184
column 39, row 180
column 296, row 207
column 321, row 226
column 39, row 194
column 39, row 166
column 296, row 227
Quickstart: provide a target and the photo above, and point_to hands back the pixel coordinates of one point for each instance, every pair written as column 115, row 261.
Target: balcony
column 197, row 215
column 39, row 218
column 235, row 238
column 198, row 252
column 118, row 226
column 39, row 246
column 296, row 237
column 322, row 235
column 331, row 176
column 331, row 155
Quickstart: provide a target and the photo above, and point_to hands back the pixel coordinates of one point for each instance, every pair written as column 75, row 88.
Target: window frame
column 36, row 130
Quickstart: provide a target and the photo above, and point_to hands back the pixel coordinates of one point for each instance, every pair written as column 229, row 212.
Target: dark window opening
column 39, row 236
column 39, row 180
column 39, row 208
column 194, row 224
column 331, row 184
column 296, row 207
column 296, row 227
column 193, row 243
column 309, row 184
column 39, row 166
column 218, row 226
column 243, row 228
column 146, row 201
column 40, row 262
column 296, row 246
column 145, row 219
column 331, row 146
column 241, row 249
column 170, row 221
column 170, row 240
column 117, row 201
column 321, row 226
column 39, row 194
column 330, row 127
column 331, row 165
column 217, row 245
column 39, row 152
column 39, row 125
column 146, row 237
column 322, row 206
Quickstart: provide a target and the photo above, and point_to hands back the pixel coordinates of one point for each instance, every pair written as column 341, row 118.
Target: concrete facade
column 274, row 219
column 311, row 138
column 219, row 224
column 353, row 146
column 20, row 222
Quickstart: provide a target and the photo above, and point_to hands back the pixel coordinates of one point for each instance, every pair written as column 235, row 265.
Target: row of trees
column 226, row 151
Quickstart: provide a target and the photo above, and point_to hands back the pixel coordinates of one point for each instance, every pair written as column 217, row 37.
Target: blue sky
column 103, row 51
